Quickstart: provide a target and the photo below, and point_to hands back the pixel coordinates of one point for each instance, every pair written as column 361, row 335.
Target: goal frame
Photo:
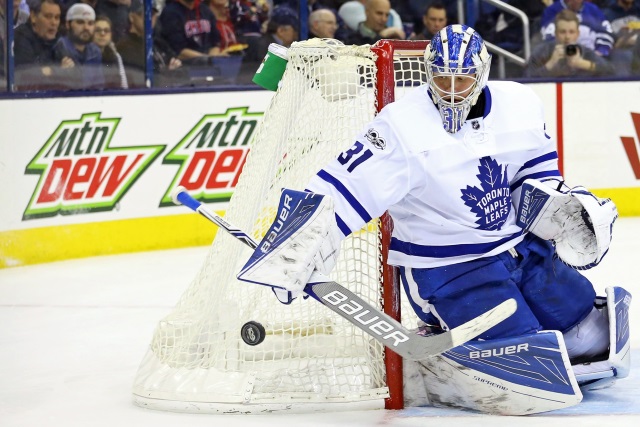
column 385, row 94
column 175, row 355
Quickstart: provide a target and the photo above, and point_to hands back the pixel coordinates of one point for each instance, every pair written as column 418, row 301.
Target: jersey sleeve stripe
column 446, row 251
column 544, row 158
column 360, row 210
column 342, row 226
column 537, row 175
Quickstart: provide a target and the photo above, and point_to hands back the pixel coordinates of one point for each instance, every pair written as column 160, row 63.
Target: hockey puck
column 252, row 333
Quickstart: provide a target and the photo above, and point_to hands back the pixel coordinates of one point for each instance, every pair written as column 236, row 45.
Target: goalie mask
column 457, row 65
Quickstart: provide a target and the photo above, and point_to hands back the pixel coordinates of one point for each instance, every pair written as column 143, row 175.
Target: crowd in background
column 100, row 44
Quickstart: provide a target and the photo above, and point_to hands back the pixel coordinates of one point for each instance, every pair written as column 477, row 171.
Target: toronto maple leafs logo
column 492, row 201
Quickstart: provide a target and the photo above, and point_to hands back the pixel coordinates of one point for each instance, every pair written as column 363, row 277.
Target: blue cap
column 283, row 15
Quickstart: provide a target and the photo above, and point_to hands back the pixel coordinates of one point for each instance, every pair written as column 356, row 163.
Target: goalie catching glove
column 579, row 223
column 304, row 237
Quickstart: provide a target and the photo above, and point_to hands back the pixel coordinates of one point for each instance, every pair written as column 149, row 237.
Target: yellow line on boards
column 47, row 244
column 626, row 199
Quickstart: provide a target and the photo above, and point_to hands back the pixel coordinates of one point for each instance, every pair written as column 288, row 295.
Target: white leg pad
column 601, row 374
column 512, row 376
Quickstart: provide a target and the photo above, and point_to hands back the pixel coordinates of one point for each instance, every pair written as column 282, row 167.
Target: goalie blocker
column 304, row 237
column 521, row 375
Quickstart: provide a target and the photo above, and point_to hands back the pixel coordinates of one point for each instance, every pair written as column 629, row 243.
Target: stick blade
column 487, row 320
column 436, row 344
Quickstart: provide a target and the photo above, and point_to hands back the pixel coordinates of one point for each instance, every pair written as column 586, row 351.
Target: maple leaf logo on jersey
column 492, row 201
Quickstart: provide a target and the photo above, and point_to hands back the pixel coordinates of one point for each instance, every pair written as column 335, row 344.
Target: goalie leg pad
column 579, row 223
column 303, row 237
column 589, row 338
column 601, row 374
column 618, row 302
column 522, row 375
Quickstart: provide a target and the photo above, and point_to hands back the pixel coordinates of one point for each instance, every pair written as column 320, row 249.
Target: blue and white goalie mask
column 457, row 65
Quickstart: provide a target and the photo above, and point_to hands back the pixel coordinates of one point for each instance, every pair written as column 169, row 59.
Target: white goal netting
column 197, row 361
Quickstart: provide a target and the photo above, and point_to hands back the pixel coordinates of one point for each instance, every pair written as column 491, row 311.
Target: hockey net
column 311, row 358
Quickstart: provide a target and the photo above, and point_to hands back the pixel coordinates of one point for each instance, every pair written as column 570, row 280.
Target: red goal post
column 390, row 54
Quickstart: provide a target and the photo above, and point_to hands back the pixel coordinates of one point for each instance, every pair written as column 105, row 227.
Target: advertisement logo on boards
column 212, row 154
column 80, row 172
column 630, row 146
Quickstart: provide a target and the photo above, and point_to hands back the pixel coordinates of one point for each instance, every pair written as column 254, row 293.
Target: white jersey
column 452, row 197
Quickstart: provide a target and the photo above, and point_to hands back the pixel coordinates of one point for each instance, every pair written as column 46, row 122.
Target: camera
column 571, row 49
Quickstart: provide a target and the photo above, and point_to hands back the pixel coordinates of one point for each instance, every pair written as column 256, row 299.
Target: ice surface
column 72, row 335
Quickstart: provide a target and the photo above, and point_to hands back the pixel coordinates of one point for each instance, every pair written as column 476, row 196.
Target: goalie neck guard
column 457, row 65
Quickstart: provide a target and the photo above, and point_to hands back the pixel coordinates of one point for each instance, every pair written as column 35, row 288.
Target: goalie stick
column 362, row 314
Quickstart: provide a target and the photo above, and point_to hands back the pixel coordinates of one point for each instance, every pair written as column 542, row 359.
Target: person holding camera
column 564, row 57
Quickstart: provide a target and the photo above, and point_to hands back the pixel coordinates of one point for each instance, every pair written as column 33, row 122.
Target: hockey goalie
column 481, row 214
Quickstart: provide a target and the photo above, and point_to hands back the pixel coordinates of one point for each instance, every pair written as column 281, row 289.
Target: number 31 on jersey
column 354, row 156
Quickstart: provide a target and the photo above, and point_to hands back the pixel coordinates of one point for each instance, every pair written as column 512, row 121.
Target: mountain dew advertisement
column 90, row 174
column 211, row 156
column 81, row 171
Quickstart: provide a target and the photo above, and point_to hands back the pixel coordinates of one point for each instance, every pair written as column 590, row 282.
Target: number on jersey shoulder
column 354, row 156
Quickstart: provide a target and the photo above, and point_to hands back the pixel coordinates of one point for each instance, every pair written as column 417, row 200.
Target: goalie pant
column 550, row 294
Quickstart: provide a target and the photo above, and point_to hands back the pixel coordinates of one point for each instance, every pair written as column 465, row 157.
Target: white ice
column 72, row 334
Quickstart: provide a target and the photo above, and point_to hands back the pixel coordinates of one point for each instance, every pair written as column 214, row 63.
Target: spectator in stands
column 224, row 24
column 34, row 41
column 20, row 16
column 374, row 27
column 322, row 24
column 118, row 12
column 624, row 16
column 312, row 5
column 506, row 29
column 190, row 28
column 353, row 12
column 412, row 11
column 78, row 45
column 282, row 28
column 66, row 4
column 248, row 16
column 342, row 29
column 113, row 67
column 433, row 20
column 167, row 68
column 409, row 16
column 595, row 29
column 563, row 56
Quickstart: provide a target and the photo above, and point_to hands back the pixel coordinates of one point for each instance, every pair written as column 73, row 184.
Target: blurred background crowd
column 101, row 44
